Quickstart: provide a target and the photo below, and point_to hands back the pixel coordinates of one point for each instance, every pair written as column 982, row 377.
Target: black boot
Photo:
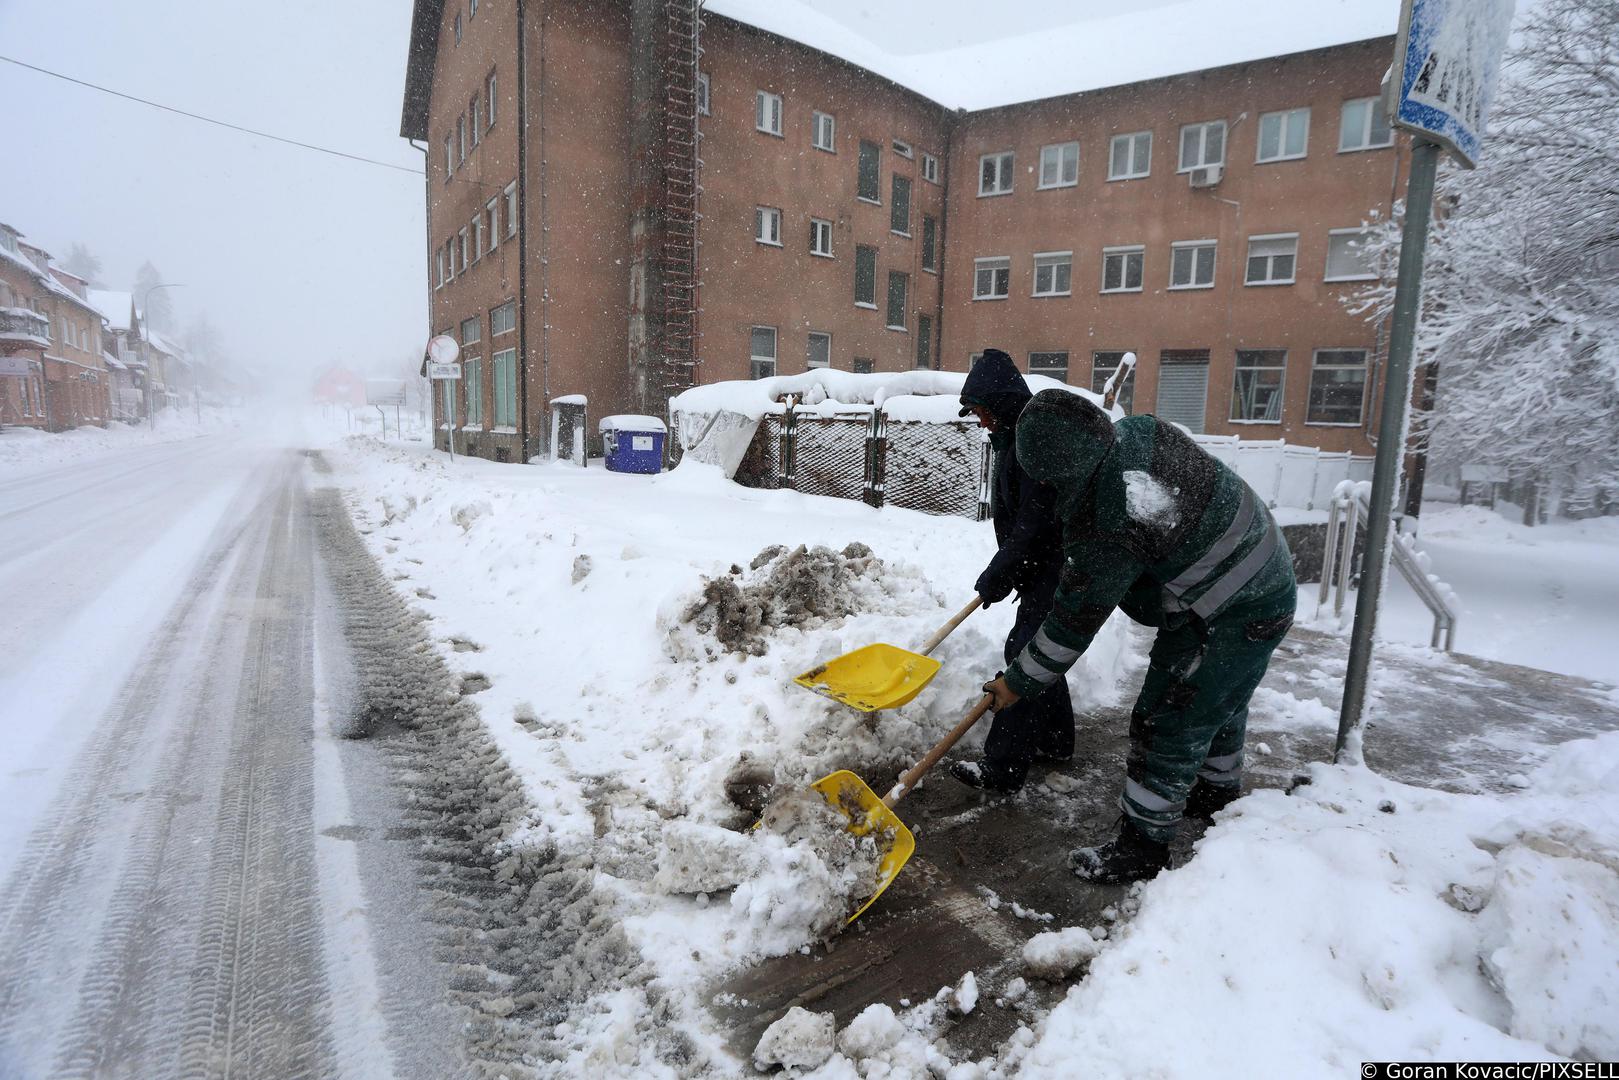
column 1208, row 799
column 1128, row 857
column 985, row 777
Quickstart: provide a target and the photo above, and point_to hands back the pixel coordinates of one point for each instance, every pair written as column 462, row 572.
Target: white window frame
column 1067, row 363
column 825, row 123
column 1061, row 159
column 472, row 116
column 821, row 230
column 930, row 168
column 870, row 305
column 1355, row 234
column 1124, row 251
column 767, row 225
column 438, row 263
column 903, row 149
column 755, row 359
column 510, row 305
column 489, row 87
column 1366, row 377
column 809, row 341
column 461, row 139
column 704, row 90
column 478, row 238
column 1139, row 170
column 1365, row 133
column 1053, row 259
column 466, row 239
column 449, row 157
column 992, row 264
column 449, row 249
column 491, row 211
column 476, row 322
column 503, row 366
column 894, row 183
column 1193, row 246
column 767, row 110
column 904, row 301
column 511, row 209
column 1238, row 367
column 1284, row 118
column 458, row 28
column 1270, row 258
column 1202, row 127
column 1005, row 165
column 875, row 200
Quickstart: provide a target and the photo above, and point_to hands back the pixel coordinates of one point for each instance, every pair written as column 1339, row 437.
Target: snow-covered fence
column 1299, row 477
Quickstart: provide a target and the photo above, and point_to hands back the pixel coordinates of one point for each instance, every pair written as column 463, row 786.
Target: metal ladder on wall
column 1347, row 509
column 682, row 185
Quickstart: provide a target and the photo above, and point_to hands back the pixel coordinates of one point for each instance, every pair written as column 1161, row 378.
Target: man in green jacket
column 1154, row 525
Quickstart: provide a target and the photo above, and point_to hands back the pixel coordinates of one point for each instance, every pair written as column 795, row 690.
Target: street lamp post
column 146, row 334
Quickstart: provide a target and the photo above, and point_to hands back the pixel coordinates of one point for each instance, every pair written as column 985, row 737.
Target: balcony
column 24, row 325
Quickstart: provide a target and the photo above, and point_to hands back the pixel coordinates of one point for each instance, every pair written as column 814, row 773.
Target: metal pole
column 1390, row 435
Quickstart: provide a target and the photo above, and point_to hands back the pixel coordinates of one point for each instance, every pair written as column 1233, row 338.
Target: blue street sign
column 1448, row 56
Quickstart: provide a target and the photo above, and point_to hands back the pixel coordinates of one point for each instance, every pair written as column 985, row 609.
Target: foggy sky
column 300, row 259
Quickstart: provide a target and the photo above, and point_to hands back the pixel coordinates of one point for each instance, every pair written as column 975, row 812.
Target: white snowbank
column 27, row 449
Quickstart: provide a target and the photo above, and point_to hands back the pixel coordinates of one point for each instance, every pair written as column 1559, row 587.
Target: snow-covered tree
column 159, row 311
column 82, row 262
column 1521, row 281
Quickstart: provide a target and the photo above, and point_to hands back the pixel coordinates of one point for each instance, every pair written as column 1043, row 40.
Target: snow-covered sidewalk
column 24, row 449
column 585, row 612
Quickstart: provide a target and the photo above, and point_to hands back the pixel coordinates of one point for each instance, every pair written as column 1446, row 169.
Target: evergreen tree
column 159, row 312
column 82, row 262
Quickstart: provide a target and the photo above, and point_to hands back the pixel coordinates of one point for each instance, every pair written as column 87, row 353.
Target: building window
column 865, row 276
column 1053, row 365
column 867, row 177
column 995, row 173
column 511, row 208
column 1191, row 264
column 820, row 237
column 1347, row 256
column 1104, row 363
column 992, row 278
column 930, row 168
column 471, row 331
column 1256, row 392
column 449, row 157
column 490, row 90
column 899, row 210
column 1202, row 145
column 458, row 28
column 898, row 286
column 762, row 352
column 472, row 8
column 1121, row 268
column 1183, row 387
column 461, row 139
column 1283, row 136
column 1053, row 273
column 1130, row 156
column 930, row 244
column 503, row 320
column 491, row 214
column 1059, row 165
column 1337, row 387
column 824, row 132
column 903, row 149
column 438, row 267
column 767, row 225
column 478, row 237
column 1271, row 259
column 466, row 241
column 472, row 390
column 702, row 93
column 863, row 365
column 820, row 350
column 506, row 388
column 474, row 111
column 767, row 113
column 450, row 248
column 924, row 341
column 1364, row 125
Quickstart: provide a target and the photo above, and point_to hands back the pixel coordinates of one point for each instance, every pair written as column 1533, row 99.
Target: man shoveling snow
column 1157, row 527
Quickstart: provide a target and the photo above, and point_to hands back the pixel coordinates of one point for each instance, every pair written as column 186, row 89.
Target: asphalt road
column 196, row 878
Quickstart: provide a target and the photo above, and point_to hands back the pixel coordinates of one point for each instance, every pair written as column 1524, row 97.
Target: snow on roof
column 631, row 422
column 1149, row 42
column 928, row 396
column 114, row 307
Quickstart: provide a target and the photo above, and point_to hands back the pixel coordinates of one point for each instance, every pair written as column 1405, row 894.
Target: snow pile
column 799, row 1040
column 804, row 588
column 1056, row 954
column 1416, row 924
column 24, row 449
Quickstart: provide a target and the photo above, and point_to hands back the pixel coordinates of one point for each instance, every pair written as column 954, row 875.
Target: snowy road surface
column 182, row 887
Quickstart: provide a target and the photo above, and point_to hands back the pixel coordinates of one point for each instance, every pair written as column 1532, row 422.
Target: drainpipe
column 943, row 231
column 427, row 226
column 522, row 238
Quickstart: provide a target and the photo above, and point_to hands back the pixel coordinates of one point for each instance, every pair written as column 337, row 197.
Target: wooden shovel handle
column 908, row 781
column 949, row 627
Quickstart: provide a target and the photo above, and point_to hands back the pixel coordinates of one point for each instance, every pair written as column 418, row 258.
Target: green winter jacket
column 1151, row 523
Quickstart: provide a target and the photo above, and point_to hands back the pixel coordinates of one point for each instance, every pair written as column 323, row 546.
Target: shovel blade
column 865, row 812
column 871, row 678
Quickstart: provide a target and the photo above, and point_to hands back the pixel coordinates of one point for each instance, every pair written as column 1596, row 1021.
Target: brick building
column 1204, row 220
column 52, row 335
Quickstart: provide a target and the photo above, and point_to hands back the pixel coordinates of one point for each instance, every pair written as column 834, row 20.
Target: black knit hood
column 996, row 384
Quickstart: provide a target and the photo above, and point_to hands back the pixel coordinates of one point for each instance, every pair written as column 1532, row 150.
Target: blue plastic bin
column 633, row 444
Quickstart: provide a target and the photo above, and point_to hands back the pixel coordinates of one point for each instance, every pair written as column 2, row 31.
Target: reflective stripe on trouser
column 1190, row 718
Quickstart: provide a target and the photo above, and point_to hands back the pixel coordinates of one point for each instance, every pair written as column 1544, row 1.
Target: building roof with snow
column 984, row 70
column 116, row 307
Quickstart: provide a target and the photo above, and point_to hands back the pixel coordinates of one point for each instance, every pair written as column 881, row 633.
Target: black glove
column 991, row 590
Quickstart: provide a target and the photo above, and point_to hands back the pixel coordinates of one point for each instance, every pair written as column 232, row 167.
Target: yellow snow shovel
column 866, row 813
column 881, row 676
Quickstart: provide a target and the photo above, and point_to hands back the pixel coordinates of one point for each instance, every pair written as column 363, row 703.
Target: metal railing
column 1347, row 509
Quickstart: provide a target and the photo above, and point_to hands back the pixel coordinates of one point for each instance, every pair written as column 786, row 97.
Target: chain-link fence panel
column 762, row 465
column 934, row 468
column 830, row 456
